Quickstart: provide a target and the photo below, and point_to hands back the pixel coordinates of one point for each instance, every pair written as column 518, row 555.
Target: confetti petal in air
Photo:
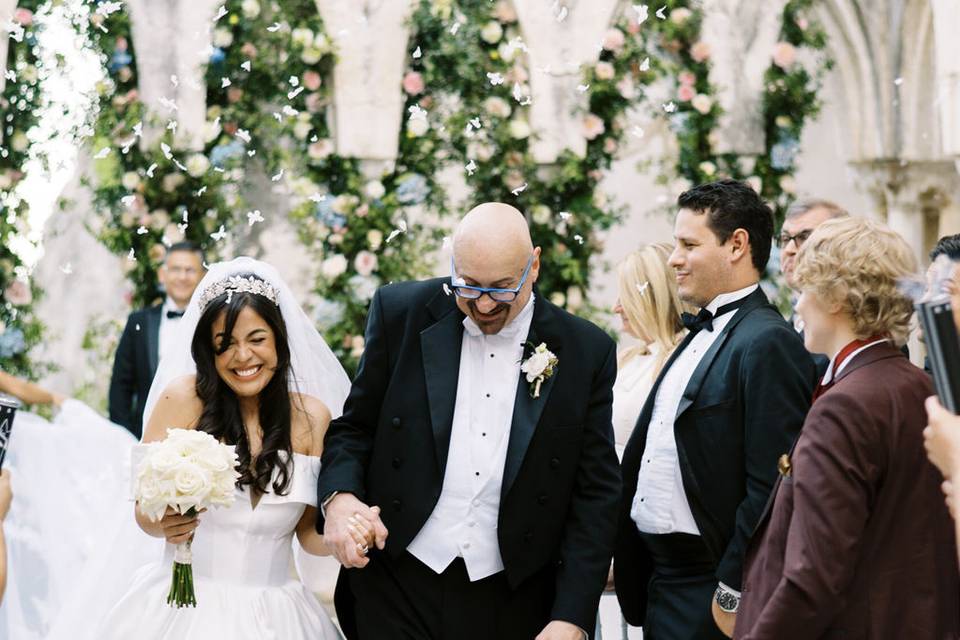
column 669, row 107
column 166, row 150
column 130, row 256
column 471, row 167
column 128, row 201
column 169, row 104
column 66, row 269
column 637, row 131
column 898, row 81
column 661, row 14
column 455, row 28
column 225, row 82
column 446, row 289
column 142, row 231
column 496, row 79
column 202, row 190
column 106, row 8
column 15, row 29
column 175, row 81
column 643, row 12
column 293, row 94
column 253, row 217
column 645, row 65
column 246, row 66
column 417, row 54
column 103, row 153
column 220, row 13
column 642, row 288
column 274, row 27
column 220, row 234
column 520, row 189
column 565, row 215
column 277, row 177
column 583, row 88
column 244, row 135
column 578, row 238
column 151, row 169
column 10, row 75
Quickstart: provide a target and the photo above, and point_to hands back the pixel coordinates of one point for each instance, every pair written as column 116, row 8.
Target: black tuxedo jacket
column 561, row 485
column 742, row 409
column 134, row 366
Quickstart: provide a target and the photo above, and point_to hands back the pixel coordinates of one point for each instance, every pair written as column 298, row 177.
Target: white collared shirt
column 660, row 503
column 464, row 520
column 829, row 375
column 168, row 327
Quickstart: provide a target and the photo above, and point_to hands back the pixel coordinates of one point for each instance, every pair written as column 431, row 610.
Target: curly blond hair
column 860, row 265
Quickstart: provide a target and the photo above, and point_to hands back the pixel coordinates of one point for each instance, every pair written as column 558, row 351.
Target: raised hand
column 942, row 438
column 345, row 517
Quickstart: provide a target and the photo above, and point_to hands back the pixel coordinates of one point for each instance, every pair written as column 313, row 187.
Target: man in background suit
column 802, row 218
column 702, row 459
column 148, row 332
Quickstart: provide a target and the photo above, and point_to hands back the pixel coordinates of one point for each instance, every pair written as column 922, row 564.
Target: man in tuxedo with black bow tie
column 497, row 480
column 148, row 331
column 702, row 459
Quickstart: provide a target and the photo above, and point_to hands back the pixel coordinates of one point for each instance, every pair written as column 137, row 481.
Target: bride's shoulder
column 309, row 421
column 178, row 406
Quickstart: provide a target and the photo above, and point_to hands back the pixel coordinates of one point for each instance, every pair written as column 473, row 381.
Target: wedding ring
column 362, row 548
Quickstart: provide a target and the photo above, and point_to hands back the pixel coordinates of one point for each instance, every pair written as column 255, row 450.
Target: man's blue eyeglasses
column 497, row 295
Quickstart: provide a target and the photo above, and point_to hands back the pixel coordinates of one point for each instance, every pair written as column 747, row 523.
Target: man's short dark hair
column 947, row 246
column 189, row 246
column 732, row 205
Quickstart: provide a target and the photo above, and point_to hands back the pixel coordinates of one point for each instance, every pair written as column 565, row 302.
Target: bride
column 250, row 369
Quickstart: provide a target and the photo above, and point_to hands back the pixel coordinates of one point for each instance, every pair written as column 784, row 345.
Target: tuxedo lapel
column 440, row 346
column 754, row 300
column 153, row 338
column 527, row 409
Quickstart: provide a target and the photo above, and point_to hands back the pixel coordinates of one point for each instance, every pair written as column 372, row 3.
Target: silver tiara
column 237, row 284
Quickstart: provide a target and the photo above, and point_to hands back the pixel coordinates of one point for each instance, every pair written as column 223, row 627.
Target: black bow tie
column 704, row 319
column 174, row 315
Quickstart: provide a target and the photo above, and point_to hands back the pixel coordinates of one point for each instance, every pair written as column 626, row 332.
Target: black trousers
column 680, row 594
column 404, row 599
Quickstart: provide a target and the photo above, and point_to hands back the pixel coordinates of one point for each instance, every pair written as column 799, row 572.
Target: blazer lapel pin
column 784, row 466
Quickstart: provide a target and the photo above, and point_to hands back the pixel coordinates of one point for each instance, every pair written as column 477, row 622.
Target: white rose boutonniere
column 538, row 367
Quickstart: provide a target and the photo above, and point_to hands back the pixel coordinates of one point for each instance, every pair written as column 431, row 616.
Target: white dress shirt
column 829, row 374
column 660, row 504
column 634, row 381
column 464, row 521
column 168, row 327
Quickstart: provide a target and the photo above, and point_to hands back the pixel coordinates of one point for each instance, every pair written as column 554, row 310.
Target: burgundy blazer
column 856, row 542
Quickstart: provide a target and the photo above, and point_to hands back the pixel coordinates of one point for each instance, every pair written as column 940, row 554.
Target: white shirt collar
column 518, row 324
column 830, row 373
column 732, row 296
column 168, row 305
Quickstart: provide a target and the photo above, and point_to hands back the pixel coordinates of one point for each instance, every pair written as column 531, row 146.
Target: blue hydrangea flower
column 363, row 287
column 784, row 154
column 12, row 342
column 217, row 56
column 679, row 120
column 325, row 214
column 413, row 189
column 221, row 153
column 328, row 313
column 120, row 59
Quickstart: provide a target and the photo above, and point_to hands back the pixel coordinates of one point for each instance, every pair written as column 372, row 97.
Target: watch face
column 727, row 601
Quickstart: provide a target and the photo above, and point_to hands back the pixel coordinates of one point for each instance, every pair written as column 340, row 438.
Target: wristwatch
column 728, row 602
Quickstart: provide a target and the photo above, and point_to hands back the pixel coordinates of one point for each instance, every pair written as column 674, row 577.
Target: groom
column 499, row 489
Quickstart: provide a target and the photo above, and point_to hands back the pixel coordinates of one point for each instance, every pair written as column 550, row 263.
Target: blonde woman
column 856, row 541
column 650, row 310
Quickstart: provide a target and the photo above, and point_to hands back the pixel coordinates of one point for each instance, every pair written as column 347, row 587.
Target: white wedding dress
column 243, row 579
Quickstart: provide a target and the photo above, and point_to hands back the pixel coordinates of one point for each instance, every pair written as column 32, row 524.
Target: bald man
column 490, row 477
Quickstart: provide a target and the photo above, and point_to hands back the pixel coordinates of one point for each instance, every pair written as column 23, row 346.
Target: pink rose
column 122, row 44
column 784, row 55
column 605, row 71
column 234, row 94
column 686, row 93
column 700, row 51
column 613, row 40
column 132, row 96
column 592, row 126
column 312, row 80
column 362, row 210
column 413, row 83
column 610, row 146
column 249, row 50
column 314, row 102
column 18, row 293
column 23, row 16
column 504, row 12
column 365, row 263
column 633, row 27
column 803, row 23
column 687, row 78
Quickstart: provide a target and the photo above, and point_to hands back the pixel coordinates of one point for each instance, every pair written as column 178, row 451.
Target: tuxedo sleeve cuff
column 730, row 590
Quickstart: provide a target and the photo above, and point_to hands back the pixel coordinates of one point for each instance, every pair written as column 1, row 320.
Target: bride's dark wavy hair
column 221, row 416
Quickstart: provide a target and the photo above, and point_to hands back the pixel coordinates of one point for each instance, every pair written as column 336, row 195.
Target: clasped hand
column 351, row 528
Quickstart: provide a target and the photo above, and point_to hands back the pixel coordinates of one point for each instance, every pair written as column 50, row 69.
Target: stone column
column 560, row 42
column 946, row 18
column 371, row 37
column 739, row 64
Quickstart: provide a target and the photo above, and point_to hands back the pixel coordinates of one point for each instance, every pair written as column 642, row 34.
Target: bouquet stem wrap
column 181, row 586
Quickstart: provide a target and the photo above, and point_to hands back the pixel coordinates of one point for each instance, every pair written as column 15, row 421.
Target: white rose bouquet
column 187, row 472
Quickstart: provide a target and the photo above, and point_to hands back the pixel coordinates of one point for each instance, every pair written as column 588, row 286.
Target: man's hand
column 560, row 630
column 343, row 515
column 942, row 438
column 725, row 621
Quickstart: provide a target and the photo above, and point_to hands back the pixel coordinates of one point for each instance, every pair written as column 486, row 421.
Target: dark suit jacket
column 560, row 489
column 742, row 408
column 857, row 542
column 134, row 366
